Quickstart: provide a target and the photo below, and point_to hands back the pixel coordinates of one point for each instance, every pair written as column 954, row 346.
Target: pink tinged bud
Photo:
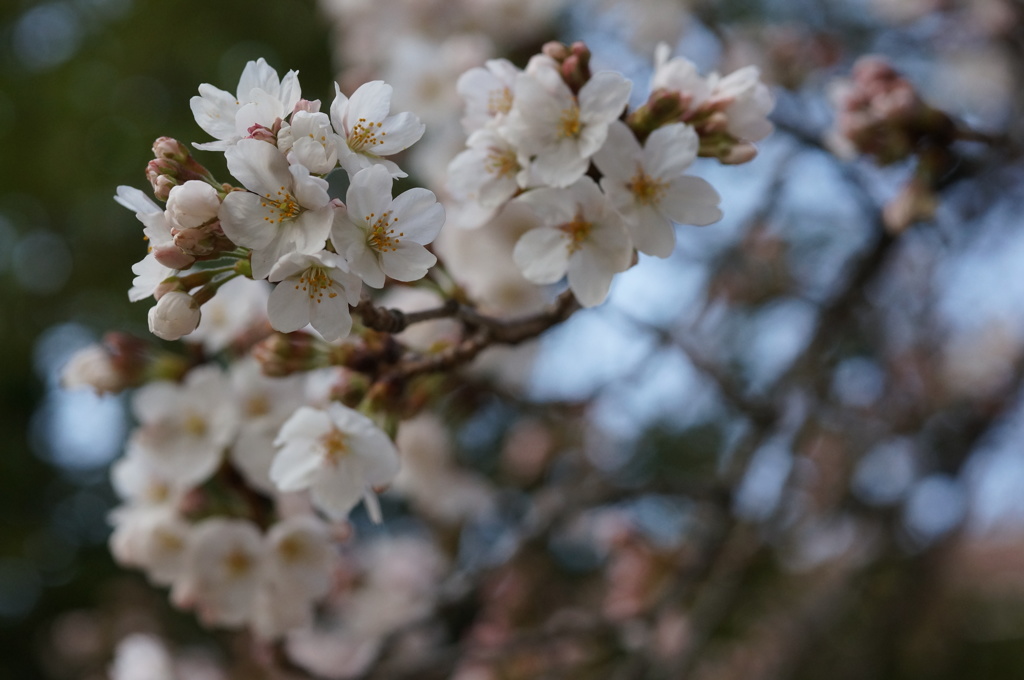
column 167, row 147
column 195, row 242
column 171, row 284
column 262, row 133
column 744, row 152
column 171, row 256
column 175, row 315
column 307, row 106
column 555, row 50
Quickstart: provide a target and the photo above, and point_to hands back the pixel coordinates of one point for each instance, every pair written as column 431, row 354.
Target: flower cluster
column 281, row 224
column 244, row 453
column 600, row 181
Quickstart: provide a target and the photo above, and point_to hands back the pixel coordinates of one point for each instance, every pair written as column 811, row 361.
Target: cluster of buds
column 728, row 113
column 193, row 199
column 880, row 114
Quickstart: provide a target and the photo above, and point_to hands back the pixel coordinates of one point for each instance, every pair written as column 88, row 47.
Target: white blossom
column 489, row 172
column 260, row 99
column 313, row 289
column 142, row 657
column 336, row 453
column 285, row 210
column 309, row 140
column 488, row 91
column 174, row 315
column 580, row 236
column 222, row 571
column 648, row 187
column 561, row 130
column 150, row 538
column 239, row 304
column 367, row 130
column 184, row 428
column 92, row 367
column 381, row 236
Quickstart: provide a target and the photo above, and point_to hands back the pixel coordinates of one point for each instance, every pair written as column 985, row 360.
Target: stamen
column 577, row 231
column 382, row 236
column 501, row 162
column 499, row 101
column 645, row 188
column 335, row 446
column 570, row 122
column 364, row 134
column 315, row 281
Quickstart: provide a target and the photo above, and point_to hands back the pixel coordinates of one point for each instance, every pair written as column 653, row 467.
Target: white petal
column 652, row 232
column 408, row 262
column 369, row 193
column 420, row 216
column 241, row 217
column 618, row 157
column 670, row 150
column 542, row 255
column 691, row 200
column 603, row 97
column 288, row 307
column 259, row 166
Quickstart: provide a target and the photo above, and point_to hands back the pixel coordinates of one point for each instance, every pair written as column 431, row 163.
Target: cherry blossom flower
column 383, row 237
column 309, row 140
column 562, row 131
column 285, row 210
column 222, row 570
column 580, row 236
column 338, row 454
column 261, row 99
column 646, row 185
column 264, row 403
column 367, row 131
column 151, row 538
column 313, row 289
column 488, row 92
column 191, row 205
column 239, row 304
column 489, row 172
column 184, row 428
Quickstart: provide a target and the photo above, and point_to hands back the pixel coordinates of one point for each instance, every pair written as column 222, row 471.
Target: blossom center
column 237, row 563
column 570, row 124
column 499, row 101
column 645, row 188
column 501, row 162
column 577, row 232
column 195, row 424
column 382, row 236
column 280, row 207
column 315, row 281
column 335, row 446
column 364, row 134
column 292, row 549
column 257, row 405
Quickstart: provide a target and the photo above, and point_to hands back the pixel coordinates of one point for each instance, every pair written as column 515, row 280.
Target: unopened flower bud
column 740, row 153
column 262, row 133
column 282, row 354
column 171, row 256
column 171, row 284
column 167, row 147
column 307, row 106
column 192, row 204
column 161, row 178
column 114, row 365
column 175, row 314
column 195, row 242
